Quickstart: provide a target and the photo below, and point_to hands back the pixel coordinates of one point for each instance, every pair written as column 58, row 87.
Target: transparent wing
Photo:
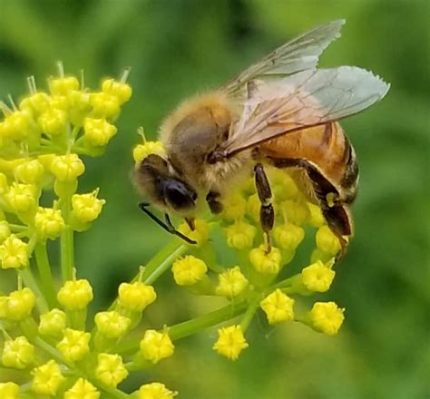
column 306, row 99
column 298, row 55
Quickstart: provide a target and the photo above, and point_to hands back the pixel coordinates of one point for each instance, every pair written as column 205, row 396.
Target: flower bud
column 52, row 323
column 110, row 370
column 75, row 344
column 288, row 236
column 53, row 121
column 13, row 253
column 240, row 235
column 111, row 324
column 86, row 207
column 263, row 262
column 136, row 296
column 4, row 230
column 75, row 294
column 9, row 390
column 326, row 317
column 155, row 390
column 20, row 304
column 4, row 186
column 188, row 270
column 316, row 217
column 317, row 277
column 200, row 234
column 29, row 172
column 82, row 389
column 48, row 223
column 122, row 91
column 18, row 353
column 67, row 167
column 47, row 379
column 35, row 103
column 141, row 151
column 327, row 241
column 104, row 105
column 231, row 283
column 16, row 126
column 296, row 212
column 98, row 132
column 63, row 85
column 155, row 346
column 234, row 207
column 231, row 342
column 22, row 197
column 278, row 307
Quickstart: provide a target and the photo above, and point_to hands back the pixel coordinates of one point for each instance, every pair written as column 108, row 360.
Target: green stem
column 45, row 274
column 31, row 283
column 190, row 327
column 249, row 314
column 67, row 254
column 162, row 260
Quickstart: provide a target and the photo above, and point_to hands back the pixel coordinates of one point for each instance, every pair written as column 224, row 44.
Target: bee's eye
column 178, row 195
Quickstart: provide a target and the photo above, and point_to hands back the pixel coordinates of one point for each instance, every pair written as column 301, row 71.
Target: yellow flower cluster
column 260, row 278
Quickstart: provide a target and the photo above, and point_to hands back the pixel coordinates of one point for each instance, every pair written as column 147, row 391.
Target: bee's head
column 157, row 180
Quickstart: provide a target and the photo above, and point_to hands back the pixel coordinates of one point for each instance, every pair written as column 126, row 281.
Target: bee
column 282, row 111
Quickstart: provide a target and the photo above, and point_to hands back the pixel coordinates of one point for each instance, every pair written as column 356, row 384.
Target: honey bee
column 282, row 111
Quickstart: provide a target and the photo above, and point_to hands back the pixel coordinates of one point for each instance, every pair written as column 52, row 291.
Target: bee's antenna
column 168, row 227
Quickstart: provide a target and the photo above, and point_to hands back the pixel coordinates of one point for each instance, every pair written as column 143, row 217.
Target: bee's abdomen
column 326, row 147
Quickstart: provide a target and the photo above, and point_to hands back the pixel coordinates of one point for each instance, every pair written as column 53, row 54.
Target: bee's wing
column 305, row 99
column 297, row 55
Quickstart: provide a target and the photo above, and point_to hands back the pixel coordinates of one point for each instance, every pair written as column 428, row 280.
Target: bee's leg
column 267, row 215
column 191, row 223
column 214, row 204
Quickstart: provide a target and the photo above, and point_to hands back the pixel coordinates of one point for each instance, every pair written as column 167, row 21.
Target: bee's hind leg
column 267, row 215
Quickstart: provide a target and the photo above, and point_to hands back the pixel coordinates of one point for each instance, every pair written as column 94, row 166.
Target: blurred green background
column 176, row 48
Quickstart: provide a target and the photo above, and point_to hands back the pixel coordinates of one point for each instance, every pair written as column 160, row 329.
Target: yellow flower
column 112, row 324
column 98, row 132
column 141, row 151
column 67, row 168
column 263, row 262
column 188, row 270
column 284, row 186
column 48, row 223
column 29, row 172
column 231, row 342
column 52, row 323
column 234, row 207
column 53, row 121
column 110, row 369
column 317, row 277
column 155, row 346
column 75, row 294
column 122, row 91
column 4, row 230
column 136, row 296
column 21, row 197
column 155, row 390
column 18, row 353
column 240, row 235
column 327, row 241
column 326, row 317
column 288, row 236
column 47, row 378
column 9, row 390
column 4, row 186
column 82, row 389
column 13, row 253
column 231, row 282
column 316, row 217
column 278, row 307
column 104, row 105
column 16, row 126
column 86, row 207
column 74, row 345
column 200, row 234
column 253, row 207
column 63, row 85
column 19, row 304
column 296, row 212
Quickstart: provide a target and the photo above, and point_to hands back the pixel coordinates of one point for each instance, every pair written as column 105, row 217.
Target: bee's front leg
column 267, row 215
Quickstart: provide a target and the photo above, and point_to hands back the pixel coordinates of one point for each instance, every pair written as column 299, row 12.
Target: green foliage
column 178, row 47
